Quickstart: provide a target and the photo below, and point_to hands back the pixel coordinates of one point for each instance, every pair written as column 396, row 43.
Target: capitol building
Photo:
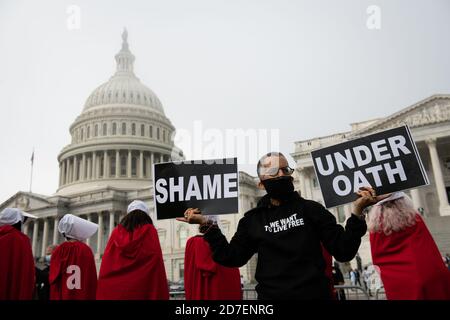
column 123, row 130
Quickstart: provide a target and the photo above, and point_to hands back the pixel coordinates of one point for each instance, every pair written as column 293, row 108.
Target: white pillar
column 75, row 168
column 111, row 222
column 415, row 196
column 55, row 230
column 25, row 229
column 438, row 178
column 141, row 165
column 83, row 167
column 117, row 163
column 63, row 175
column 35, row 234
column 44, row 238
column 94, row 165
column 99, row 234
column 308, row 187
column 105, row 165
column 302, row 178
column 152, row 161
column 67, row 171
column 89, row 168
column 129, row 164
column 89, row 218
column 161, row 158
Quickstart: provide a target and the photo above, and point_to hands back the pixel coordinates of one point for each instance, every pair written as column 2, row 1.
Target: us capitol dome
column 120, row 133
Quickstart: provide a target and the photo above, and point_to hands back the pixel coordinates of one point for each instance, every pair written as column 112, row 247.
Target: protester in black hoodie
column 286, row 231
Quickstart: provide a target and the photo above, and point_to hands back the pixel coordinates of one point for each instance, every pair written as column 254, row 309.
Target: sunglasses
column 273, row 172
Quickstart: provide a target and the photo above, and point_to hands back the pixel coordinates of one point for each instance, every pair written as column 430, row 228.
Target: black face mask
column 279, row 188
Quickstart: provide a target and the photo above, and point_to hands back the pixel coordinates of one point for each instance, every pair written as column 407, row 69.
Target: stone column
column 302, row 177
column 141, row 165
column 117, row 163
column 89, row 218
column 308, row 187
column 25, row 229
column 129, row 164
column 63, row 175
column 75, row 168
column 67, row 171
column 105, row 165
column 161, row 158
column 55, row 230
column 100, row 234
column 152, row 161
column 89, row 168
column 44, row 238
column 415, row 196
column 111, row 222
column 83, row 167
column 35, row 235
column 438, row 177
column 94, row 165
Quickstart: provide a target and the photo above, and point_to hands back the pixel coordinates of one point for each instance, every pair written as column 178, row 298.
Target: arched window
column 150, row 131
column 133, row 129
column 123, row 166
column 164, row 135
column 81, row 135
column 105, row 128
column 157, row 133
column 96, row 130
column 133, row 166
column 182, row 237
column 142, row 130
column 114, row 130
column 124, row 128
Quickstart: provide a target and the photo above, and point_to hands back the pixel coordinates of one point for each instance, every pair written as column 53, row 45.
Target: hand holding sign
column 386, row 160
column 193, row 216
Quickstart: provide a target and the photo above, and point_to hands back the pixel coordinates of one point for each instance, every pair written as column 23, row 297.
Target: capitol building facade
column 122, row 131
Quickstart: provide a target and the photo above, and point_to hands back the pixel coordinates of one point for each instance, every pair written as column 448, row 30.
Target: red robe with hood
column 411, row 266
column 132, row 266
column 17, row 272
column 70, row 260
column 205, row 279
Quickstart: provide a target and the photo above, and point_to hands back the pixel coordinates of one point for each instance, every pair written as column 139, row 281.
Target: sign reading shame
column 388, row 161
column 210, row 185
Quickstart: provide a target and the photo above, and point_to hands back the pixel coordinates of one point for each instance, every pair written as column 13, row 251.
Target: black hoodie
column 287, row 240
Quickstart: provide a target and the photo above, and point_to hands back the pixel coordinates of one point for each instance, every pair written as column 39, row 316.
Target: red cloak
column 62, row 275
column 411, row 266
column 132, row 267
column 205, row 279
column 329, row 270
column 17, row 271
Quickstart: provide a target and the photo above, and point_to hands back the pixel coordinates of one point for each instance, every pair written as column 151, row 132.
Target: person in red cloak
column 329, row 271
column 132, row 266
column 411, row 267
column 205, row 279
column 17, row 276
column 73, row 275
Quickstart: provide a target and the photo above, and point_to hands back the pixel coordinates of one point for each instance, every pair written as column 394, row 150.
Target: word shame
column 205, row 187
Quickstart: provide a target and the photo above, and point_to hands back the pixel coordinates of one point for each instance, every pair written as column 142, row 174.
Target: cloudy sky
column 305, row 68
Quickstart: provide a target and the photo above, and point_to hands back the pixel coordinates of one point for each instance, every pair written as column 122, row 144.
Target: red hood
column 5, row 230
column 129, row 243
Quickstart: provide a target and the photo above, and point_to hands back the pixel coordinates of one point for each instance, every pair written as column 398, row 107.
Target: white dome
column 124, row 88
